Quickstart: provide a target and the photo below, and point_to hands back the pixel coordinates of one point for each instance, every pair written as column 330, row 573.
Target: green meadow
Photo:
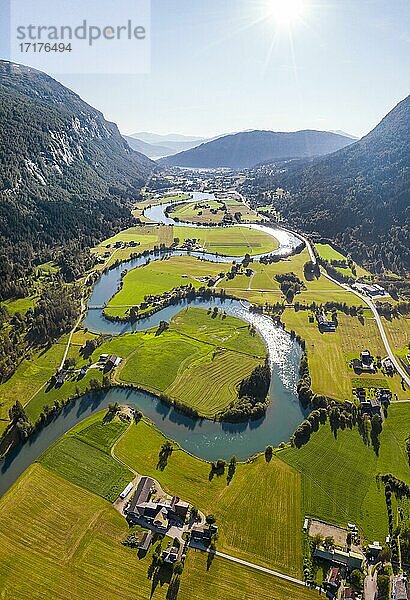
column 56, row 536
column 83, row 458
column 339, row 473
column 229, row 241
column 158, row 277
column 199, row 361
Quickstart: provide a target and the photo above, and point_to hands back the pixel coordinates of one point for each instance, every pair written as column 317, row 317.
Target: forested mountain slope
column 65, row 172
column 358, row 196
column 248, row 148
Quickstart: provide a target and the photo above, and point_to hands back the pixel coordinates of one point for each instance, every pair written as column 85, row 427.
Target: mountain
column 169, row 144
column 157, row 138
column 249, row 148
column 348, row 135
column 358, row 196
column 65, row 172
column 150, row 150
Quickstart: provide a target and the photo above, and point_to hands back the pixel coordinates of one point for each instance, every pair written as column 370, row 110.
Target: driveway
column 370, row 586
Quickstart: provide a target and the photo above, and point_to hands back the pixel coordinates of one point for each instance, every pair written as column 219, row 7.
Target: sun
column 286, row 12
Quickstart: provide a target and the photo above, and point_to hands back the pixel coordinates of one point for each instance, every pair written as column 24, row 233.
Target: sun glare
column 286, row 12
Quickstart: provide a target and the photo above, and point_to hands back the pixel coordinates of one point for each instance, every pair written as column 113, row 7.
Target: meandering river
column 203, row 438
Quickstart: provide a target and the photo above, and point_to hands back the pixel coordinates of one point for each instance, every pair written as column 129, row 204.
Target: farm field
column 199, row 360
column 229, row 241
column 30, row 375
column 135, row 239
column 250, row 527
column 214, row 211
column 74, row 385
column 81, row 462
column 158, row 277
column 339, row 473
column 56, row 536
column 330, row 353
column 398, row 332
column 228, row 581
column 60, row 537
column 327, row 252
column 262, row 286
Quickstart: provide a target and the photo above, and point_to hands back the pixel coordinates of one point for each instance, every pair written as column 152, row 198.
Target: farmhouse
column 351, row 560
column 365, row 363
column 374, row 549
column 366, row 359
column 170, row 555
column 145, row 541
column 161, row 519
column 113, row 361
column 388, row 365
column 203, row 533
column 323, row 323
column 334, row 579
column 142, row 493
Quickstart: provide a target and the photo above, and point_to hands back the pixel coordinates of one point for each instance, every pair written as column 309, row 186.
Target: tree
column 329, row 542
column 178, row 568
column 231, row 468
column 357, row 579
column 268, row 453
column 316, row 540
column 383, row 584
column 385, row 554
column 210, row 519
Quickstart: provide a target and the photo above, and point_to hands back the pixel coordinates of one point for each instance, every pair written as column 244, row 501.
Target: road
column 70, row 337
column 370, row 585
column 379, row 323
column 250, row 565
column 370, row 304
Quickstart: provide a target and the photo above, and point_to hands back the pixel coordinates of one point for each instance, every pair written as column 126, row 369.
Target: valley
column 205, row 358
column 172, row 302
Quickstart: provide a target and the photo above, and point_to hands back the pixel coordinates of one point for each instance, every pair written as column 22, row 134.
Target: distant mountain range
column 65, row 172
column 348, row 135
column 155, row 145
column 358, row 196
column 249, row 148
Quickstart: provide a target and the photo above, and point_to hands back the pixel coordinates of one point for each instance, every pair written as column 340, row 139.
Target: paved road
column 250, row 565
column 370, row 304
column 379, row 323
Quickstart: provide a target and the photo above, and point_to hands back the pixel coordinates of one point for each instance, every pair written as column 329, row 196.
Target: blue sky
column 217, row 67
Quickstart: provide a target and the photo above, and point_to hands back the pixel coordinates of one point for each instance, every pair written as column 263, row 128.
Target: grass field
column 55, row 537
column 21, row 305
column 258, row 513
column 263, row 287
column 161, row 276
column 57, row 541
column 30, row 375
column 199, row 360
column 229, row 241
column 145, row 237
column 329, row 354
column 83, row 457
column 74, row 385
column 398, row 332
column 327, row 252
column 211, row 211
column 228, row 581
column 339, row 474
